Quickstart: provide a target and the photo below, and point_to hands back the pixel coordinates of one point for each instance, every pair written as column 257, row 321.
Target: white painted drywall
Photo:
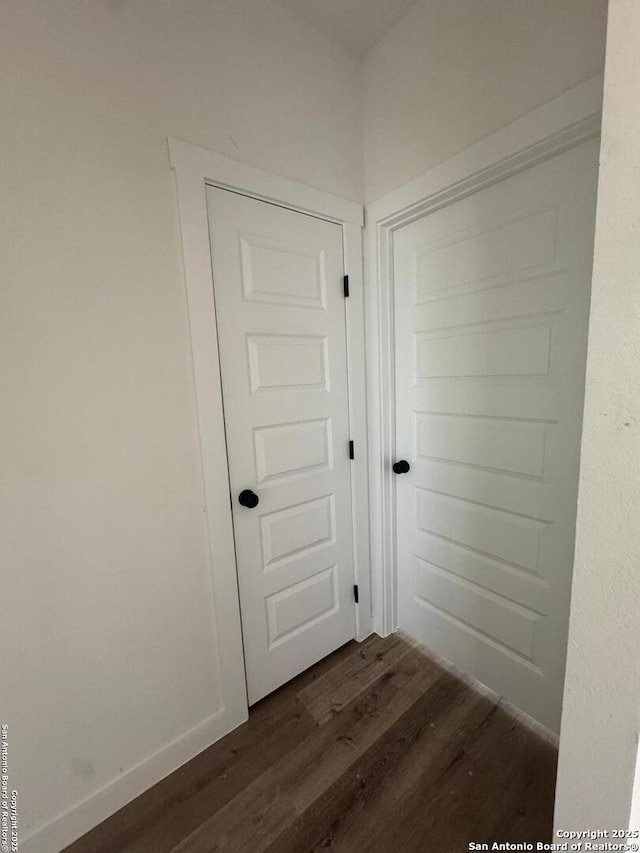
column 454, row 71
column 601, row 716
column 355, row 24
column 105, row 586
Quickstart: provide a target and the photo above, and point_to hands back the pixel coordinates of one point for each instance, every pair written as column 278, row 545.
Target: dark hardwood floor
column 376, row 749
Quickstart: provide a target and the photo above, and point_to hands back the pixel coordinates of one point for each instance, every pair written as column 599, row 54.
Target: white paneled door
column 278, row 283
column 491, row 309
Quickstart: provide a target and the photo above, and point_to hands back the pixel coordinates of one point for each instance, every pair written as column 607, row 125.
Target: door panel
column 281, row 328
column 491, row 310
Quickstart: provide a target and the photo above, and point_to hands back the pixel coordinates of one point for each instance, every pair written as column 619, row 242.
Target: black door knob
column 401, row 467
column 248, row 498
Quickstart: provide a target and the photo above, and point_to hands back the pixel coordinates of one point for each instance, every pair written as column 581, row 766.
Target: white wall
column 601, row 717
column 454, row 71
column 105, row 585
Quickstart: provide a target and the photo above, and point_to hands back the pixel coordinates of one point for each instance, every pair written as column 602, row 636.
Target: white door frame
column 196, row 168
column 559, row 125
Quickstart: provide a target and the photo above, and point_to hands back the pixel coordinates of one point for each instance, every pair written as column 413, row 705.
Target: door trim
column 195, row 169
column 557, row 126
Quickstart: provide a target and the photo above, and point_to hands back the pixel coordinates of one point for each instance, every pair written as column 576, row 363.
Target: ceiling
column 357, row 25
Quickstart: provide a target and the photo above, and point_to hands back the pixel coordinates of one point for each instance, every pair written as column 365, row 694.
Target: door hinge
column 356, row 594
column 351, row 450
column 345, row 284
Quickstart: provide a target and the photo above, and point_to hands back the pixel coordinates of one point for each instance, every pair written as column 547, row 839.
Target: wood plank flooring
column 378, row 748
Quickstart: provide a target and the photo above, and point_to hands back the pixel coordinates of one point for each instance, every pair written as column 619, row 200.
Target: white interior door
column 491, row 309
column 278, row 283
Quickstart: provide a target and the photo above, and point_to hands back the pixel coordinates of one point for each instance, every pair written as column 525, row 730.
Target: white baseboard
column 89, row 812
column 478, row 687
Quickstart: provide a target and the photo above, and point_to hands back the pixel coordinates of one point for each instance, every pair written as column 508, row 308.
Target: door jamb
column 195, row 169
column 568, row 120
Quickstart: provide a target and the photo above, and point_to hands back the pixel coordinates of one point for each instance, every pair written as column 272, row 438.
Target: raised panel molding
column 502, row 578
column 502, row 446
column 287, row 450
column 505, row 621
column 511, row 247
column 500, row 300
column 298, row 607
column 489, row 531
column 282, row 273
column 291, row 362
column 297, row 530
column 506, row 352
